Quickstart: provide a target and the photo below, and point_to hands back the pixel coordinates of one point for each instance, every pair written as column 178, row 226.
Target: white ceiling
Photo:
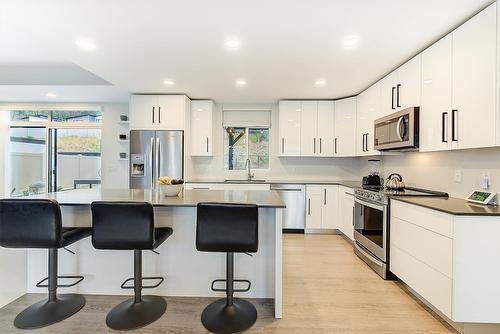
column 286, row 44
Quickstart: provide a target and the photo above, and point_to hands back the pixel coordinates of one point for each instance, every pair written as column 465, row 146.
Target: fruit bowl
column 170, row 190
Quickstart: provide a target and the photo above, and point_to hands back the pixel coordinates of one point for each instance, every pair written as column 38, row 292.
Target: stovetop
column 381, row 194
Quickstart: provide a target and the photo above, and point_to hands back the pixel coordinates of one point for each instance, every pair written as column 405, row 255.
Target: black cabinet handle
column 282, row 144
column 443, row 126
column 335, row 145
column 309, row 206
column 320, row 146
column 314, row 145
column 453, row 125
column 324, row 198
column 392, row 97
column 159, row 114
column 363, row 142
column 207, row 144
column 397, row 95
column 153, row 115
column 352, row 216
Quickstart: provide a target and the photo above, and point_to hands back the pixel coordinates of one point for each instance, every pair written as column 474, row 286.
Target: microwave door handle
column 398, row 128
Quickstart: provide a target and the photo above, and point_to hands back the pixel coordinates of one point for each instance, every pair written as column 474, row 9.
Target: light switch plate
column 458, row 176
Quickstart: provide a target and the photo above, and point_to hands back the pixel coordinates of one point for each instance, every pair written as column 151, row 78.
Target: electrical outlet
column 458, row 176
column 485, row 180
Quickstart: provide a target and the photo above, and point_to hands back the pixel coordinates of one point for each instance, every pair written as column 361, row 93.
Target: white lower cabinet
column 346, row 211
column 449, row 260
column 322, row 207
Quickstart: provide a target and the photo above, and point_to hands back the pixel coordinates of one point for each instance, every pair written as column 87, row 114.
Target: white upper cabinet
column 326, row 127
column 161, row 112
column 309, row 144
column 408, row 91
column 401, row 88
column 289, row 128
column 345, row 124
column 435, row 110
column 368, row 109
column 306, row 128
column 474, row 82
column 201, row 128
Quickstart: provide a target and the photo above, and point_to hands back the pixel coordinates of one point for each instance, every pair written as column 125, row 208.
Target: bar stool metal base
column 131, row 315
column 47, row 312
column 219, row 317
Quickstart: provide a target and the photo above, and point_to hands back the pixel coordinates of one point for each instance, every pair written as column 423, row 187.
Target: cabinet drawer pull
column 207, row 144
column 314, row 145
column 335, row 145
column 324, row 199
column 153, row 115
column 397, row 95
column 454, row 123
column 393, row 89
column 282, row 144
column 320, row 146
column 159, row 114
column 309, row 206
column 444, row 135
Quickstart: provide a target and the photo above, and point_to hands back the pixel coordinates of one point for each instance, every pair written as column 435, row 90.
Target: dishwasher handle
column 288, row 187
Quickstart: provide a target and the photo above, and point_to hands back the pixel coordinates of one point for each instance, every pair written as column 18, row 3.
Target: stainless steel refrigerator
column 154, row 154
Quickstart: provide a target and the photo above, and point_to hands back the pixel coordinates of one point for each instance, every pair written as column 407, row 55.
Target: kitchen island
column 187, row 272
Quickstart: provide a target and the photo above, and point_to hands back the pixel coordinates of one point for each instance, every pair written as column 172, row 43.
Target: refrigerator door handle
column 151, row 163
column 158, row 158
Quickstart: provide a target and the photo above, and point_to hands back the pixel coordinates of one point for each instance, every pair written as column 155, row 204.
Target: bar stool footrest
column 159, row 279
column 77, row 278
column 212, row 287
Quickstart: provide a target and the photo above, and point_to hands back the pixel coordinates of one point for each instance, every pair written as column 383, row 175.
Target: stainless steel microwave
column 398, row 131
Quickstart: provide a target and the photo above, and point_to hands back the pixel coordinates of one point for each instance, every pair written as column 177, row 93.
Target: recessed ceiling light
column 85, row 44
column 168, row 82
column 320, row 82
column 241, row 82
column 51, row 94
column 350, row 42
column 233, row 44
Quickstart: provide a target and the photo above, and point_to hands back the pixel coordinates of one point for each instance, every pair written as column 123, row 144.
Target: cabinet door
column 435, row 108
column 326, row 120
column 408, row 85
column 309, row 144
column 388, row 86
column 368, row 110
column 346, row 209
column 474, row 81
column 201, row 128
column 330, row 209
column 313, row 207
column 172, row 112
column 289, row 128
column 345, row 128
column 143, row 111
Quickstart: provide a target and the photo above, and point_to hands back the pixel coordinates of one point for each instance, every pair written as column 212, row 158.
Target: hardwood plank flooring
column 327, row 289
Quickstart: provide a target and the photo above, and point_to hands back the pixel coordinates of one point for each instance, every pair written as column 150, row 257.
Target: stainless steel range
column 372, row 221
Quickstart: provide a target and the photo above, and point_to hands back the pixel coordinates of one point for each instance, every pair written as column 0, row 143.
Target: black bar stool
column 130, row 226
column 37, row 223
column 228, row 228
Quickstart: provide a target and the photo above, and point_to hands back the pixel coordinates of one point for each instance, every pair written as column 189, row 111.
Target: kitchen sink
column 245, row 181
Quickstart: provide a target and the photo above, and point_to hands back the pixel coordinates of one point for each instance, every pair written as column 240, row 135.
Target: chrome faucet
column 249, row 171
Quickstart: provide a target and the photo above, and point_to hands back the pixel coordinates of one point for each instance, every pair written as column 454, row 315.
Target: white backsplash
column 436, row 170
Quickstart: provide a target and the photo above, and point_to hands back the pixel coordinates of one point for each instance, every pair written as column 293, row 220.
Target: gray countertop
column 349, row 184
column 187, row 198
column 451, row 205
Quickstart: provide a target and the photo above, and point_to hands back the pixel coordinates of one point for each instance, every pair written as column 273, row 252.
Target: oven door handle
column 368, row 255
column 380, row 207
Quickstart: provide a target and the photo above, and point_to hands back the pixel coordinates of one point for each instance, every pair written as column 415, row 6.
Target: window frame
column 247, row 128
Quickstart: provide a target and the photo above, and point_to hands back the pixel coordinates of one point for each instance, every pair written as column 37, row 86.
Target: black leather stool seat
column 130, row 226
column 229, row 228
column 37, row 223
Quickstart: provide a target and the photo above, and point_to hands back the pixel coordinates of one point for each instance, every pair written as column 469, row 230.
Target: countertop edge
column 453, row 213
column 348, row 184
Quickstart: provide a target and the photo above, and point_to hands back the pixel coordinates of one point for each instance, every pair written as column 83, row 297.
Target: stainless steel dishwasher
column 294, row 196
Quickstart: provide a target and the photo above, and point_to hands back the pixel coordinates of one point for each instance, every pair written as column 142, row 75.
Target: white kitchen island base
column 187, row 272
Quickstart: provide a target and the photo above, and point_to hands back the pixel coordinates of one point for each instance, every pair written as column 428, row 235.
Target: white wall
column 280, row 168
column 114, row 172
column 436, row 170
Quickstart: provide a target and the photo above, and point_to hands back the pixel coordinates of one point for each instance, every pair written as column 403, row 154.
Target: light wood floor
column 327, row 289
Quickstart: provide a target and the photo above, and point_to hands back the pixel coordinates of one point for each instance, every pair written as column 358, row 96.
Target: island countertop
column 187, row 198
